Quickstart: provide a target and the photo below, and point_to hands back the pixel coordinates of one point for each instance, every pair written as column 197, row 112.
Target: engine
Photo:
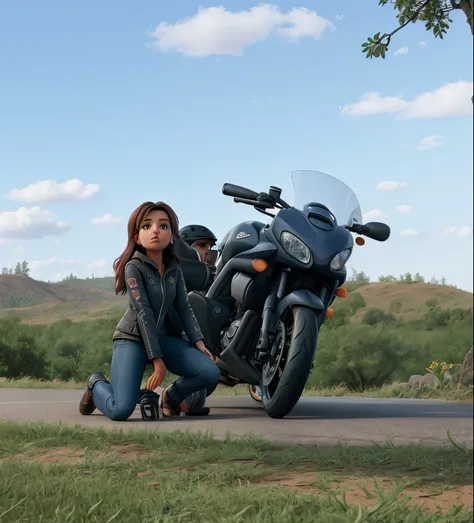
column 228, row 334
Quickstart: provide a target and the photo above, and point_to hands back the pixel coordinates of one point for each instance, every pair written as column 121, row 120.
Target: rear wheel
column 284, row 376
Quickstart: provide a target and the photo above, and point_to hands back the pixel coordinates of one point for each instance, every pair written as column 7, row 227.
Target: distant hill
column 40, row 302
column 102, row 284
column 84, row 299
column 404, row 300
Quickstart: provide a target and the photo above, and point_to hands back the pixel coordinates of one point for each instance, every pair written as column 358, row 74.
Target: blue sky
column 101, row 93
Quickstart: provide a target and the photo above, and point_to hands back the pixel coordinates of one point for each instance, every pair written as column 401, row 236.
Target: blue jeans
column 118, row 399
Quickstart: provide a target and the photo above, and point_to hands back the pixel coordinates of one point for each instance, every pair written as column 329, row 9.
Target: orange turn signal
column 341, row 292
column 360, row 241
column 259, row 265
column 329, row 312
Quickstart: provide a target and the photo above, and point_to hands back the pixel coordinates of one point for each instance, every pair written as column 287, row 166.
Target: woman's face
column 155, row 231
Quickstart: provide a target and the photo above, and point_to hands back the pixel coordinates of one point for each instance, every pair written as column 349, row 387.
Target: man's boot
column 172, row 408
column 189, row 407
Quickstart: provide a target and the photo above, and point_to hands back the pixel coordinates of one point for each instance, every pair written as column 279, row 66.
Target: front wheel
column 255, row 393
column 284, row 376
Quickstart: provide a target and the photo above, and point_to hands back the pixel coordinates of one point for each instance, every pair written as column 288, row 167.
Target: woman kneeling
column 148, row 271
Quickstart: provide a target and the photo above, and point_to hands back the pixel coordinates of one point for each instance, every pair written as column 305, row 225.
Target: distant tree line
column 20, row 268
column 357, row 277
column 361, row 278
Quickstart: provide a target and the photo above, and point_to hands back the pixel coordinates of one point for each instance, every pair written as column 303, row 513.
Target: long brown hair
column 134, row 223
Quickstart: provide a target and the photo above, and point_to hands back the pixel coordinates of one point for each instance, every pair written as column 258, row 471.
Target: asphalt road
column 315, row 420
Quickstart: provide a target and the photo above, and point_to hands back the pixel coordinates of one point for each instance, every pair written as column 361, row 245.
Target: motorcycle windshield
column 318, row 187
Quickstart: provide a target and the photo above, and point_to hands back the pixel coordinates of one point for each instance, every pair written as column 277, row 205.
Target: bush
column 61, row 350
column 361, row 356
column 19, row 354
column 380, row 350
column 374, row 316
column 356, row 302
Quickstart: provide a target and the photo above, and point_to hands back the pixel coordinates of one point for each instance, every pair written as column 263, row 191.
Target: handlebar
column 236, row 191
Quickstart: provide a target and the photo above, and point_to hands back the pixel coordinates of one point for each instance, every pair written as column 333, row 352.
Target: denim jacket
column 150, row 299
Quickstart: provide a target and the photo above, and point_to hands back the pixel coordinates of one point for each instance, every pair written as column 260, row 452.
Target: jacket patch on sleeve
column 136, row 294
column 132, row 282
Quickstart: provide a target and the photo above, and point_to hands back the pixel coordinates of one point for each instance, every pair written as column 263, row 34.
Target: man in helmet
column 201, row 239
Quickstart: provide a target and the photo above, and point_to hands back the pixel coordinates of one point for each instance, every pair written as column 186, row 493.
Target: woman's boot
column 169, row 408
column 86, row 405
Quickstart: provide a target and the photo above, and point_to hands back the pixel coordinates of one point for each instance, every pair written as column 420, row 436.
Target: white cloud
column 453, row 99
column 373, row 103
column 215, row 30
column 410, row 232
column 450, row 231
column 430, row 142
column 340, row 17
column 30, row 222
column 6, row 242
column 52, row 191
column 464, row 230
column 56, row 269
column 40, row 264
column 404, row 209
column 374, row 214
column 107, row 219
column 401, row 51
column 422, row 44
column 98, row 264
column 390, row 186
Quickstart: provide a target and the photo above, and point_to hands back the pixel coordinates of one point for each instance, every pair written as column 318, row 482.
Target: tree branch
column 412, row 18
column 467, row 6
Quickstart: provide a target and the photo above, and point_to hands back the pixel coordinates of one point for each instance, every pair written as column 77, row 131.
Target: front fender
column 300, row 298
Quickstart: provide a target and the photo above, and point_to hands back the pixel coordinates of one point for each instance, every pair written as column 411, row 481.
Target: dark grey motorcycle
column 274, row 283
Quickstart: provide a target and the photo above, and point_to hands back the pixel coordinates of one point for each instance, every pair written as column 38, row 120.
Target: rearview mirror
column 377, row 231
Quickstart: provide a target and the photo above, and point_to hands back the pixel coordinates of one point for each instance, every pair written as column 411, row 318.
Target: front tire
column 284, row 376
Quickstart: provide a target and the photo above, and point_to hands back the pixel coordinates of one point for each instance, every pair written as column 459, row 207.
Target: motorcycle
column 262, row 309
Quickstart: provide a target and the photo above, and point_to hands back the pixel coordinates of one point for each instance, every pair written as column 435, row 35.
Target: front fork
column 269, row 319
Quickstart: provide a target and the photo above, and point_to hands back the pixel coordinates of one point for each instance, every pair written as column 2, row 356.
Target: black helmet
column 194, row 233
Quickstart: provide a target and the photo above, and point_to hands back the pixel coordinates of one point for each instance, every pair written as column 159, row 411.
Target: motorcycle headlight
column 295, row 247
column 338, row 262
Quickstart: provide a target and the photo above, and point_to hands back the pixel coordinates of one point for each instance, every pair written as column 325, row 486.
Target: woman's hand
column 156, row 379
column 202, row 347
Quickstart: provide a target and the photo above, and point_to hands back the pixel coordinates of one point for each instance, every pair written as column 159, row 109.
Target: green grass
column 64, row 474
column 396, row 390
column 11, row 301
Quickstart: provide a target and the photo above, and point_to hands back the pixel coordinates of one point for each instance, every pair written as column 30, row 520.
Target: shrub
column 359, row 355
column 374, row 316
